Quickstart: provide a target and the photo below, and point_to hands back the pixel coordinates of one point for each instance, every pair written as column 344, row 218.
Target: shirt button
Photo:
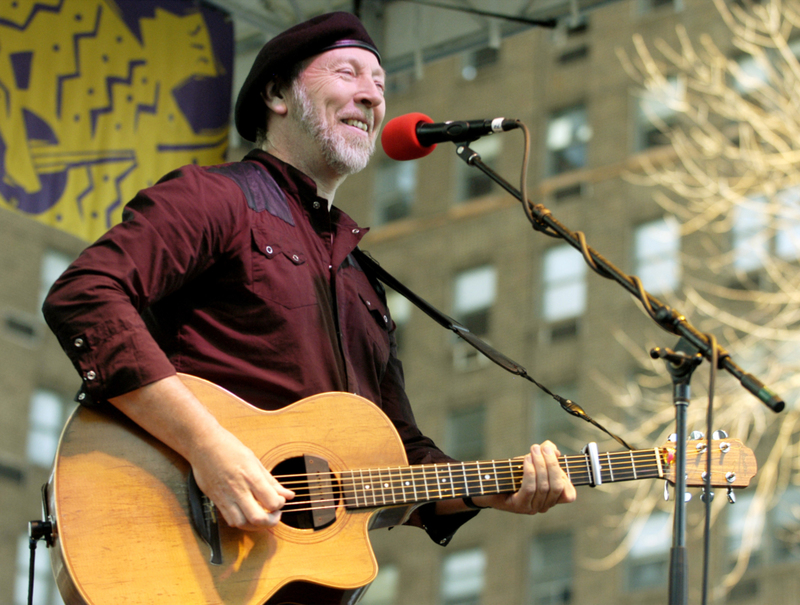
column 78, row 342
column 385, row 319
column 356, row 231
column 369, row 304
column 295, row 258
column 91, row 375
column 81, row 396
column 269, row 249
column 316, row 205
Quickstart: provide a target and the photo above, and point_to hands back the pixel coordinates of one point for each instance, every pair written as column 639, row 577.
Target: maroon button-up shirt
column 239, row 274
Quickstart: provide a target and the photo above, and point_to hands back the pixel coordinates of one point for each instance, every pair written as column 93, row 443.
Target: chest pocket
column 379, row 324
column 281, row 273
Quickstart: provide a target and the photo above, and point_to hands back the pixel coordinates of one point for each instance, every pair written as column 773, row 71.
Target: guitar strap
column 371, row 266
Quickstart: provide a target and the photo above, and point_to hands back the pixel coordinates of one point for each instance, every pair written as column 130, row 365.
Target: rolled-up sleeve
column 169, row 233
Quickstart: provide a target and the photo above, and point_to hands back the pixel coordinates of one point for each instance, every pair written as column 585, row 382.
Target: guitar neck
column 368, row 488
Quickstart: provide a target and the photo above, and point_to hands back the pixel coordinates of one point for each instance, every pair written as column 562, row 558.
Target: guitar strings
column 580, row 467
column 391, row 485
column 396, row 489
column 435, row 473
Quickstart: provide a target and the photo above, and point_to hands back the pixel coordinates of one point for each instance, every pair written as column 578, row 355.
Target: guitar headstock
column 732, row 464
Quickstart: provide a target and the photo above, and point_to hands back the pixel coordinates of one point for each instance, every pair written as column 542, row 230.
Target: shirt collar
column 290, row 179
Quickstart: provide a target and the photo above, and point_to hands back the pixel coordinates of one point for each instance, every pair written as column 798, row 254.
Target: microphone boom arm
column 666, row 317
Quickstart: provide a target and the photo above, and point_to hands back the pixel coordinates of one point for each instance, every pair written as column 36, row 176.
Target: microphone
column 414, row 135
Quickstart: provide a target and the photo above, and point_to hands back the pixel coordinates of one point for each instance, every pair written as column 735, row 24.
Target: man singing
column 243, row 274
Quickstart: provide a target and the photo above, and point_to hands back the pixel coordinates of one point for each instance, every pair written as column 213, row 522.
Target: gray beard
column 345, row 155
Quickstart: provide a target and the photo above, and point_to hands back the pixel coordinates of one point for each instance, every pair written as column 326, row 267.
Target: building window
column 575, row 54
column 53, row 264
column 657, row 113
column 477, row 60
column 564, row 284
column 648, row 561
column 383, row 590
column 400, row 308
column 749, row 76
column 47, row 414
column 395, row 187
column 750, row 236
column 465, row 433
column 772, row 539
column 576, row 25
column 551, row 569
column 787, row 224
column 762, row 229
column 399, row 82
column 647, row 6
column 45, row 591
column 568, row 134
column 474, row 293
column 657, row 253
column 785, row 526
column 472, row 183
column 738, row 522
column 463, row 577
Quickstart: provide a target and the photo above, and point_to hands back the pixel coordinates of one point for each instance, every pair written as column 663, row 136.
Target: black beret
column 287, row 49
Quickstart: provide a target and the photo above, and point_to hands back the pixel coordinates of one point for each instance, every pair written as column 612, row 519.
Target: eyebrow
column 362, row 65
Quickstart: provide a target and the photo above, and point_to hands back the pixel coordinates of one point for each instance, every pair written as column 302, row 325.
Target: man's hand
column 245, row 493
column 227, row 471
column 544, row 484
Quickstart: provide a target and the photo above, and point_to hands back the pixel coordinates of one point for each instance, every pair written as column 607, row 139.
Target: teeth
column 357, row 124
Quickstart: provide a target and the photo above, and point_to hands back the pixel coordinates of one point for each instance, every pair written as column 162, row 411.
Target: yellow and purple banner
column 100, row 98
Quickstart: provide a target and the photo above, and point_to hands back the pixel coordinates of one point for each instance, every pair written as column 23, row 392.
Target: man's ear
column 273, row 98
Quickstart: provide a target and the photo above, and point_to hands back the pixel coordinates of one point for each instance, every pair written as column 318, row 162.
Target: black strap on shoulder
column 370, row 265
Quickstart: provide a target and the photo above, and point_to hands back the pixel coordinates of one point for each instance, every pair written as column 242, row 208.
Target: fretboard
column 366, row 488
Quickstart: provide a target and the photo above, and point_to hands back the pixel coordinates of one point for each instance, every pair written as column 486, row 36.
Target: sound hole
column 317, row 492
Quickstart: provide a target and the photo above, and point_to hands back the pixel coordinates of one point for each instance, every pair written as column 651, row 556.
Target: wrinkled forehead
column 365, row 60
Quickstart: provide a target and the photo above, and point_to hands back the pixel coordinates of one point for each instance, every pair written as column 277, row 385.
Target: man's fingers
column 544, row 483
column 542, row 478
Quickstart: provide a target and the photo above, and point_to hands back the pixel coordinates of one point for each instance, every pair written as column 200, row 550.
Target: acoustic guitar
column 130, row 525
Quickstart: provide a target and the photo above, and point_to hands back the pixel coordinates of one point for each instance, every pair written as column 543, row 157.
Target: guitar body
column 123, row 528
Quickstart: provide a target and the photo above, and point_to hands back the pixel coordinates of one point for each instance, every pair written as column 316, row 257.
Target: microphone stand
column 680, row 364
column 666, row 317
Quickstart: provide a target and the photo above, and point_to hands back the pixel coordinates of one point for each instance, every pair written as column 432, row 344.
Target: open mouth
column 361, row 125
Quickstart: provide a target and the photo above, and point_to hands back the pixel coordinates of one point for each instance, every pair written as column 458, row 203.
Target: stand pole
column 681, row 364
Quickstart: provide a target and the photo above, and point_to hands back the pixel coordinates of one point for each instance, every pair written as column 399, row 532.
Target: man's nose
column 369, row 94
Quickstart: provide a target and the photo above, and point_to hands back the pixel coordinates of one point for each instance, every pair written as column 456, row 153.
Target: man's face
column 339, row 104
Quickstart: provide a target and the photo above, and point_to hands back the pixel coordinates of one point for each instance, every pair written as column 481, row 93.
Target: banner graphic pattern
column 100, row 98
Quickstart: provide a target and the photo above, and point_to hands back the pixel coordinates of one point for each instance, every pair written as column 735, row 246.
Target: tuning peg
column 673, row 438
column 719, row 434
column 696, row 435
column 731, row 496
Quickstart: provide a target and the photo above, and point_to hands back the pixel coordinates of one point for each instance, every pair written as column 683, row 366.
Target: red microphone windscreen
column 399, row 137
